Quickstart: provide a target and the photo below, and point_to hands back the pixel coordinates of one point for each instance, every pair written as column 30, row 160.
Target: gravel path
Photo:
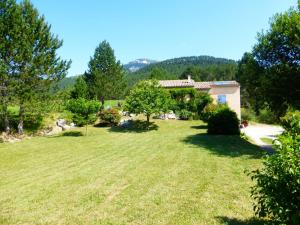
column 257, row 131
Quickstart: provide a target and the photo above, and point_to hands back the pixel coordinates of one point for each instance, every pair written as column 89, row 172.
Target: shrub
column 110, row 116
column 267, row 116
column 277, row 189
column 247, row 114
column 208, row 110
column 84, row 111
column 185, row 114
column 223, row 121
column 291, row 122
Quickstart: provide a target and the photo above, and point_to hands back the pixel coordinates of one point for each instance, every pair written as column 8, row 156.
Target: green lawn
column 173, row 175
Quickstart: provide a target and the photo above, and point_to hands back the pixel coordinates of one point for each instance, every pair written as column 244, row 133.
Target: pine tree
column 34, row 65
column 105, row 75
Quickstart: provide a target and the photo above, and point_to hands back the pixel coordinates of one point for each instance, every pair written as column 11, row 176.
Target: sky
column 157, row 29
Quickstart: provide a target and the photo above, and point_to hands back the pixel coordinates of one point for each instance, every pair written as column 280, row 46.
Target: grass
column 173, row 175
column 266, row 140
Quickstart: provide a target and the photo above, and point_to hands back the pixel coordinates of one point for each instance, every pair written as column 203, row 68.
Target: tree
column 80, row 89
column 105, row 75
column 158, row 73
column 8, row 38
column 84, row 111
column 277, row 54
column 31, row 64
column 249, row 74
column 147, row 97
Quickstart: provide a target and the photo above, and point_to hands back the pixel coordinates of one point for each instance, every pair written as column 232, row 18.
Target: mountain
column 138, row 64
column 202, row 68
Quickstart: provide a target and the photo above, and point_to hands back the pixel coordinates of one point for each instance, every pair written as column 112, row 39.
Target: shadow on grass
column 234, row 221
column 225, row 145
column 136, row 126
column 72, row 134
column 200, row 127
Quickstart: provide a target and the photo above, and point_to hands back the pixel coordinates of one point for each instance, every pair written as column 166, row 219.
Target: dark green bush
column 110, row 116
column 223, row 121
column 185, row 114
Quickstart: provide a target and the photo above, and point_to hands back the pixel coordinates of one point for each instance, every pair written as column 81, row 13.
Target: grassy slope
column 173, row 175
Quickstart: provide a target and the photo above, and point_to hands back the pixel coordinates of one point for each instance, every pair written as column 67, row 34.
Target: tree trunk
column 86, row 130
column 6, row 123
column 6, row 120
column 21, row 120
column 102, row 102
column 148, row 121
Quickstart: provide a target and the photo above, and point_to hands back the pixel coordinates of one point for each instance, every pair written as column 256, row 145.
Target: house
column 221, row 91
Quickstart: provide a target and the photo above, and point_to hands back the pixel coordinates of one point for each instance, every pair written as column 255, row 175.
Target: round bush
column 185, row 114
column 223, row 121
column 110, row 116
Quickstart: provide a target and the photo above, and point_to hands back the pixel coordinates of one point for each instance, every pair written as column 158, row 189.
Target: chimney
column 189, row 78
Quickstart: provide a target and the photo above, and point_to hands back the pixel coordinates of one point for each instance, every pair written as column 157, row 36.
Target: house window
column 222, row 99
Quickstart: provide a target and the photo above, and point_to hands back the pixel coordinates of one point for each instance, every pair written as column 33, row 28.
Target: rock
column 66, row 127
column 61, row 122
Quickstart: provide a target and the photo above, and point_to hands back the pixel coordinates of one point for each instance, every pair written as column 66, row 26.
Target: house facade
column 222, row 92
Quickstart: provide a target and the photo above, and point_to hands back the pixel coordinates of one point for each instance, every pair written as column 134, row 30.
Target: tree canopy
column 105, row 74
column 147, row 97
column 29, row 63
column 271, row 72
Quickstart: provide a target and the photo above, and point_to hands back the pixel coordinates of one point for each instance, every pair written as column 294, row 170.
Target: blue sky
column 157, row 29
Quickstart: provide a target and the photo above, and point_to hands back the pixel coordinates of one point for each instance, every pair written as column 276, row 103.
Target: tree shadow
column 136, row 126
column 200, row 127
column 234, row 221
column 225, row 145
column 71, row 134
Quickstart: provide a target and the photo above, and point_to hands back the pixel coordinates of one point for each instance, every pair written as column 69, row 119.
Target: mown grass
column 173, row 175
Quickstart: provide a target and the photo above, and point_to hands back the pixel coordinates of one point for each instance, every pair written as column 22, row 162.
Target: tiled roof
column 177, row 83
column 197, row 85
column 202, row 85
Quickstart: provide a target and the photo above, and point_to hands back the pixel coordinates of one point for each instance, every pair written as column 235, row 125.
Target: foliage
column 277, row 189
column 208, row 111
column 201, row 101
column 223, row 121
column 270, row 73
column 105, row 74
column 84, row 111
column 248, row 114
column 267, row 116
column 184, row 114
column 110, row 116
column 291, row 122
column 80, row 89
column 147, row 97
column 28, row 55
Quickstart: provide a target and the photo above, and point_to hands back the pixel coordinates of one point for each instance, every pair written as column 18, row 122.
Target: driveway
column 257, row 131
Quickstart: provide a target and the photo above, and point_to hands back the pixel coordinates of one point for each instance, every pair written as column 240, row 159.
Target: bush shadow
column 225, row 145
column 72, row 134
column 136, row 126
column 234, row 221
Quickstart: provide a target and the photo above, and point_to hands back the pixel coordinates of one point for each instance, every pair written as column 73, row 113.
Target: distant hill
column 138, row 64
column 202, row 68
column 67, row 82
